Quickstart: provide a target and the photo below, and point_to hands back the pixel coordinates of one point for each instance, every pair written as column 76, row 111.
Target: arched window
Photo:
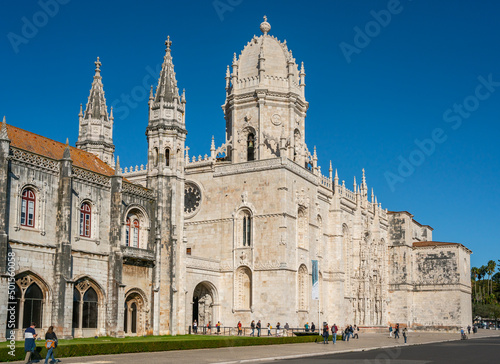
column 132, row 233
column 247, row 229
column 250, row 147
column 29, row 301
column 85, row 220
column 167, row 157
column 303, row 288
column 33, row 302
column 85, row 306
column 136, row 229
column 28, row 208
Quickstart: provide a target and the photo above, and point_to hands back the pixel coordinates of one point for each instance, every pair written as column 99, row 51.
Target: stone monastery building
column 101, row 250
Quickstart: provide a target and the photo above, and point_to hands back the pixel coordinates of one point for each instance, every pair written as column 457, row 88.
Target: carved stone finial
column 168, row 43
column 98, row 65
column 265, row 27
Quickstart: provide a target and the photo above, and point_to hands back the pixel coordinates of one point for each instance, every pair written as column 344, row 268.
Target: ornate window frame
column 144, row 223
column 40, row 204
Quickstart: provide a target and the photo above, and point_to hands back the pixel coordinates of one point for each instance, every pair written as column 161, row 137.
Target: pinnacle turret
column 96, row 125
column 3, row 131
column 167, row 89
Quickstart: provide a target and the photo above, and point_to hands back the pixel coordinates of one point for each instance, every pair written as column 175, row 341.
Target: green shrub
column 85, row 347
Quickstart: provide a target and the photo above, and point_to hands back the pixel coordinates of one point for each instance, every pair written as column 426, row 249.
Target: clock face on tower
column 192, row 198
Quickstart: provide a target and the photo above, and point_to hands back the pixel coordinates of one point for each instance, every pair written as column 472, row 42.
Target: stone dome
column 275, row 53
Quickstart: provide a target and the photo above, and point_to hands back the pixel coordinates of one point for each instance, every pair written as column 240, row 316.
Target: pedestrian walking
column 287, row 327
column 468, row 329
column 29, row 342
column 217, row 325
column 209, row 327
column 334, row 333
column 51, row 344
column 278, row 333
column 252, row 326
column 313, row 327
column 195, row 327
column 390, row 331
column 259, row 327
column 240, row 331
column 269, row 329
column 396, row 332
column 325, row 333
column 405, row 334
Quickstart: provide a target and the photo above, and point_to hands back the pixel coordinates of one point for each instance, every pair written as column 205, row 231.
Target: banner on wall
column 315, row 280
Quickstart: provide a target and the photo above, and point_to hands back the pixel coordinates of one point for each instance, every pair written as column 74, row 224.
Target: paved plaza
column 273, row 352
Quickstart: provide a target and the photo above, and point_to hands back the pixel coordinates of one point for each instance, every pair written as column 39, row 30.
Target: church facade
column 96, row 249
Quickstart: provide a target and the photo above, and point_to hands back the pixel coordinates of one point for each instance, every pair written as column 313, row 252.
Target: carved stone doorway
column 203, row 304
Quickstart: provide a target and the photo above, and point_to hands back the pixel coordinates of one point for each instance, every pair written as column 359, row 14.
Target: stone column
column 63, row 261
column 115, row 261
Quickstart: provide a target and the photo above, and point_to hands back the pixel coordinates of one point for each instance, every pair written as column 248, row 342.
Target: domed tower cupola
column 265, row 101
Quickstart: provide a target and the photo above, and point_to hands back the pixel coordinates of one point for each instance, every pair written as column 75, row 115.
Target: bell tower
column 166, row 135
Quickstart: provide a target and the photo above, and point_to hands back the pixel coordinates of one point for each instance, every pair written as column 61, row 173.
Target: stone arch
column 135, row 320
column 205, row 302
column 243, row 288
column 32, row 297
column 88, row 307
column 303, row 288
column 243, row 141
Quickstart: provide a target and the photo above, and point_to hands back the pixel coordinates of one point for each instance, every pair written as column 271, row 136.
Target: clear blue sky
column 414, row 77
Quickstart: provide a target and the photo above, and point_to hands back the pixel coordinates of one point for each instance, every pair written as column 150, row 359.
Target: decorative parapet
column 346, row 193
column 91, row 177
column 137, row 256
column 138, row 190
column 132, row 170
column 34, row 159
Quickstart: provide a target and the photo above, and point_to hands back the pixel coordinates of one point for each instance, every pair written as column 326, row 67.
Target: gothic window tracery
column 29, row 300
column 28, row 205
column 85, row 305
column 246, row 229
column 85, row 220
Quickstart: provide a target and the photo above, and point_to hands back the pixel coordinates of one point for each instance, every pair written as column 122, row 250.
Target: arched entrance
column 204, row 303
column 134, row 318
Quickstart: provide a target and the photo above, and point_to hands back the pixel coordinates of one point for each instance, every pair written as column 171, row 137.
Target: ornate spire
column 167, row 84
column 96, row 140
column 363, row 181
column 117, row 166
column 96, row 104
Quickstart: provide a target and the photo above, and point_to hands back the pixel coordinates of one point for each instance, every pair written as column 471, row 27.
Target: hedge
column 71, row 348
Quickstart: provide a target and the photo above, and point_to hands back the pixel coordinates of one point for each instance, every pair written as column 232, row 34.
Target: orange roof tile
column 49, row 148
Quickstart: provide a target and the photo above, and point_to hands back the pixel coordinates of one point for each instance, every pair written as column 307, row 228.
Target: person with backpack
column 217, row 325
column 50, row 344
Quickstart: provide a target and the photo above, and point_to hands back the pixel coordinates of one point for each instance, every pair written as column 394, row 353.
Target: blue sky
column 408, row 90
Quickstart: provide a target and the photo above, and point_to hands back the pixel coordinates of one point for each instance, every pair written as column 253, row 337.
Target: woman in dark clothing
column 51, row 342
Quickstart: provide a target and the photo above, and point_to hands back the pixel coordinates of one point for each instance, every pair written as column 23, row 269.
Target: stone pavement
column 270, row 352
